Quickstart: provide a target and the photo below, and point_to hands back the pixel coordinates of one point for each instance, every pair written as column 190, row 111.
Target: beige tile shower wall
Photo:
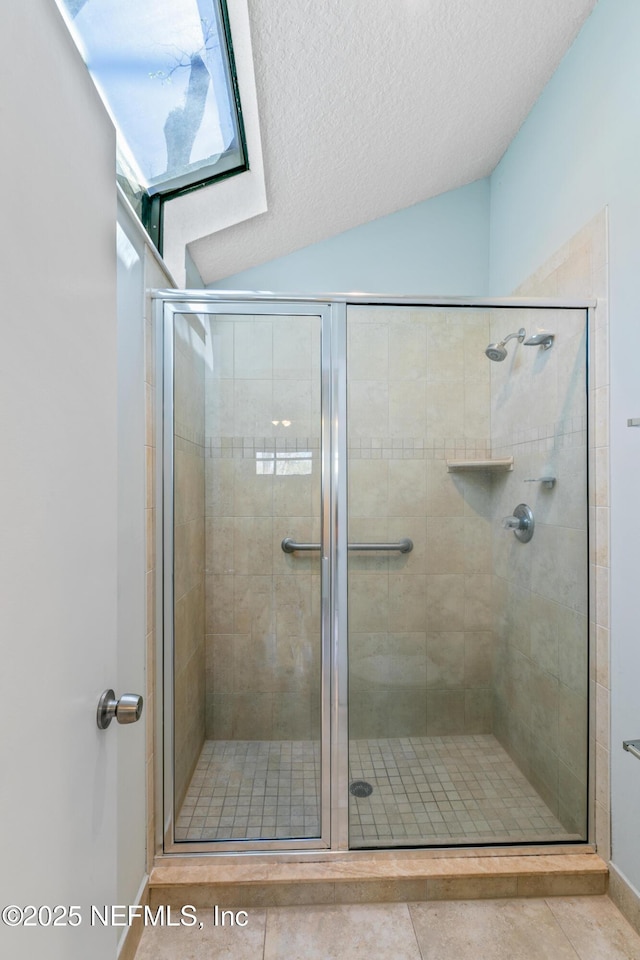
column 189, row 545
column 541, row 606
column 541, row 649
column 262, row 605
column 420, row 630
column 580, row 268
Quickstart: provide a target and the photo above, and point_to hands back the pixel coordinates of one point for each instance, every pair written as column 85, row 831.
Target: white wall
column 437, row 247
column 72, row 566
column 58, row 429
column 578, row 150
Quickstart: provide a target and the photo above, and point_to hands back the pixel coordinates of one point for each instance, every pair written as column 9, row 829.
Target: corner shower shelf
column 506, row 463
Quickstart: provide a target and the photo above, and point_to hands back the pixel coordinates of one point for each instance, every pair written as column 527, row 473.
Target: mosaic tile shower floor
column 426, row 790
column 454, row 789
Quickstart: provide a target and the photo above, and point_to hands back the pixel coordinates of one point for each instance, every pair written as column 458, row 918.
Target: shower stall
column 374, row 577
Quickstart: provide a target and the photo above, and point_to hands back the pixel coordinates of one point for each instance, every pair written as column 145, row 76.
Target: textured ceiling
column 369, row 106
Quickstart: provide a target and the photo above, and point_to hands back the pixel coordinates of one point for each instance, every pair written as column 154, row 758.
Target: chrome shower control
column 522, row 523
column 127, row 709
column 548, row 482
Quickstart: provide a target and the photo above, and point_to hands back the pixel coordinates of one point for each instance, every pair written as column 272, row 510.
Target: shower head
column 498, row 351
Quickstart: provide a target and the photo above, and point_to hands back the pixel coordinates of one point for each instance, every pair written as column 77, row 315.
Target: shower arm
column 520, row 336
column 289, row 545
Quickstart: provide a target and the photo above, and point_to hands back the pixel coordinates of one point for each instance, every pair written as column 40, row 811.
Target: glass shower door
column 467, row 654
column 249, row 608
column 346, row 588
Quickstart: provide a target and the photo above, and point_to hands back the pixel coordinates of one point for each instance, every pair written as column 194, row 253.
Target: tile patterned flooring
column 242, row 789
column 454, row 789
column 557, row 928
column 426, row 790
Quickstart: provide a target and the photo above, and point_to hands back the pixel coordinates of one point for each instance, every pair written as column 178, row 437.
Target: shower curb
column 362, row 880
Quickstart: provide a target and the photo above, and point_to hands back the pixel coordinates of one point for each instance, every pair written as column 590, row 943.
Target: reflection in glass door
column 247, row 614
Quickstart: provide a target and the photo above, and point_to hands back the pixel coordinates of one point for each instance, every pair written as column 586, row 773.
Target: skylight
column 165, row 71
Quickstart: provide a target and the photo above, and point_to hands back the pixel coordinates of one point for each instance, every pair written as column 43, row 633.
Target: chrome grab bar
column 289, row 545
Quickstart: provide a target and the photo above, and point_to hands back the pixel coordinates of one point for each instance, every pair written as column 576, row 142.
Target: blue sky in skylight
column 133, row 49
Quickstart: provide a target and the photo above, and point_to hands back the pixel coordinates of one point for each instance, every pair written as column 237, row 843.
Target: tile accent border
column 373, row 448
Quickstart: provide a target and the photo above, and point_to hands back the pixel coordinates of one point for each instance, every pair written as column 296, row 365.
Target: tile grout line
column 264, row 936
column 562, row 930
column 415, row 933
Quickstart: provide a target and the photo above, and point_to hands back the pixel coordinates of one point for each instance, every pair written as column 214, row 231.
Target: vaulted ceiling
column 369, row 106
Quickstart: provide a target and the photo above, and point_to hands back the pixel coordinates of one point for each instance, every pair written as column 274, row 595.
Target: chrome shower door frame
column 332, row 310
column 168, row 304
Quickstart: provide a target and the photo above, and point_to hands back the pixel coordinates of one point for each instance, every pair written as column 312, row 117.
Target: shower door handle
column 289, row 545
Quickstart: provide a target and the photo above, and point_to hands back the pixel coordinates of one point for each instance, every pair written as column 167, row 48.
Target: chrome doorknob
column 127, row 709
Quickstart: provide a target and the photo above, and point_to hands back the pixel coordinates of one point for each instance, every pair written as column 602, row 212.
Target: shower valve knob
column 127, row 709
column 522, row 522
column 512, row 523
